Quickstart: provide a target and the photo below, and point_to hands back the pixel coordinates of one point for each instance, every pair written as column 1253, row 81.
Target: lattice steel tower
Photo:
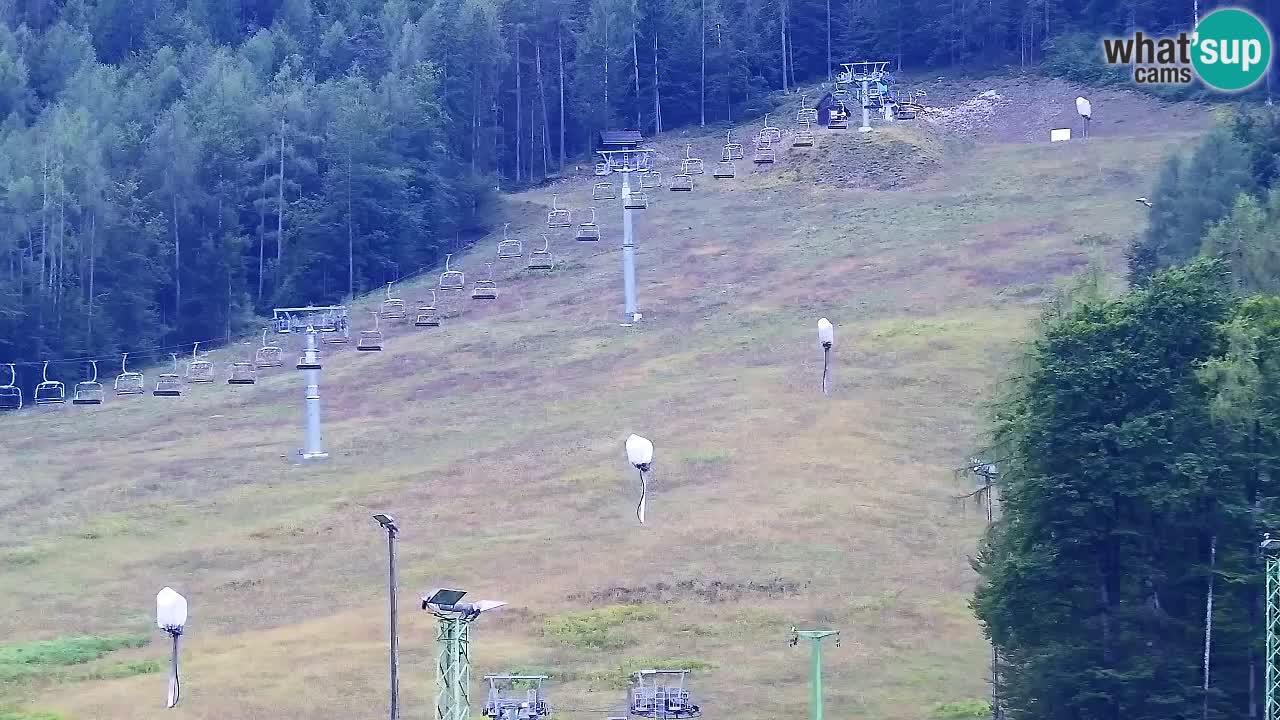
column 1271, row 551
column 453, row 636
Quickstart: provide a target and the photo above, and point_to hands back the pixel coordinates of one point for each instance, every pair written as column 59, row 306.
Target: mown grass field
column 496, row 441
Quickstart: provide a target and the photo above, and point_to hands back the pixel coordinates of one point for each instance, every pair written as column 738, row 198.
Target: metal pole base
column 864, row 129
column 632, row 321
column 299, row 457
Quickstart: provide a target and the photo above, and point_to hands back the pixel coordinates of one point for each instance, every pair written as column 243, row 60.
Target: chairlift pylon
column 199, row 371
column 589, row 231
column 558, row 217
column 371, row 340
column 169, row 384
column 451, row 279
column 268, row 355
column 392, row 306
column 427, row 315
column 485, row 289
column 49, row 392
column 508, row 248
column 88, row 392
column 542, row 259
column 10, row 393
column 131, row 383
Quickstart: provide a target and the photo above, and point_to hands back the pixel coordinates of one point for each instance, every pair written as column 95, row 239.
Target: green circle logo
column 1231, row 49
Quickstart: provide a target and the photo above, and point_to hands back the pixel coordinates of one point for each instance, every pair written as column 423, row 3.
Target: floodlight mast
column 171, row 617
column 453, row 668
column 815, row 637
column 388, row 523
column 627, row 162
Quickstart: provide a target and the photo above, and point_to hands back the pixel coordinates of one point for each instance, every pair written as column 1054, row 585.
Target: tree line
column 172, row 168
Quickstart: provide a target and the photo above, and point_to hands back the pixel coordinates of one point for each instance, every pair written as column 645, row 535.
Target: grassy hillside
column 496, row 440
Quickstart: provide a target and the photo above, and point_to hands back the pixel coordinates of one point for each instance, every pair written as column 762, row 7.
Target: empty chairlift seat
column 725, row 169
column 427, row 315
column 242, row 373
column 682, row 183
column 603, row 191
column 690, row 165
column 637, row 201
column 129, row 383
column 542, row 259
column 88, row 392
column 764, row 155
column 169, row 384
column 451, row 279
column 650, row 179
column 392, row 306
column 199, row 370
column 10, row 393
column 508, row 248
column 371, row 340
column 485, row 289
column 732, row 150
column 49, row 392
column 588, row 231
column 268, row 355
column 558, row 217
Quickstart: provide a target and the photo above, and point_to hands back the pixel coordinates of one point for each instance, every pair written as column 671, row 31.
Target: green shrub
column 45, row 658
column 962, row 710
column 594, row 628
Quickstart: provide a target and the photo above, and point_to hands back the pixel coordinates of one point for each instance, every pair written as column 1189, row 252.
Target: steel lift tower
column 815, row 638
column 1271, row 551
column 453, row 669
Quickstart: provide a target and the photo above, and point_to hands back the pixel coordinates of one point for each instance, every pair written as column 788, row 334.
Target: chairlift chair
column 682, row 183
column 661, row 694
column 88, row 392
column 650, row 179
column 558, row 217
column 507, row 248
column 602, row 168
column 199, row 371
column 769, row 132
column 452, row 279
column 732, row 150
column 725, row 169
column 764, row 155
column 485, row 289
column 50, row 392
column 133, row 383
column 637, row 201
column 542, row 259
column 427, row 314
column 392, row 306
column 242, row 373
column 268, row 355
column 10, row 393
column 169, row 384
column 690, row 165
column 589, row 231
column 803, row 137
column 603, row 191
column 806, row 114
column 371, row 340
column 839, row 118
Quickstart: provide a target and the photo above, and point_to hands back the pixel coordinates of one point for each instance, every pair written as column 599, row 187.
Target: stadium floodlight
column 640, row 455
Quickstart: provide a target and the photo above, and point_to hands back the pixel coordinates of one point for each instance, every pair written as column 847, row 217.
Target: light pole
column 815, row 637
column 826, row 338
column 171, row 617
column 453, row 669
column 388, row 523
column 640, row 455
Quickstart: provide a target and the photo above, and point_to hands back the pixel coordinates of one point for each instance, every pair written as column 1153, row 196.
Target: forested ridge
column 171, row 167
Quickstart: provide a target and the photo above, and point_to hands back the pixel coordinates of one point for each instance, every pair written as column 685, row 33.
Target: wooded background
column 172, row 167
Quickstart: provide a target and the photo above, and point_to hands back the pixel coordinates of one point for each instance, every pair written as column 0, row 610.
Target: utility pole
column 815, row 638
column 389, row 524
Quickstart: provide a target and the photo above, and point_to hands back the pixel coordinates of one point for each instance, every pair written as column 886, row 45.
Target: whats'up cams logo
column 1229, row 51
